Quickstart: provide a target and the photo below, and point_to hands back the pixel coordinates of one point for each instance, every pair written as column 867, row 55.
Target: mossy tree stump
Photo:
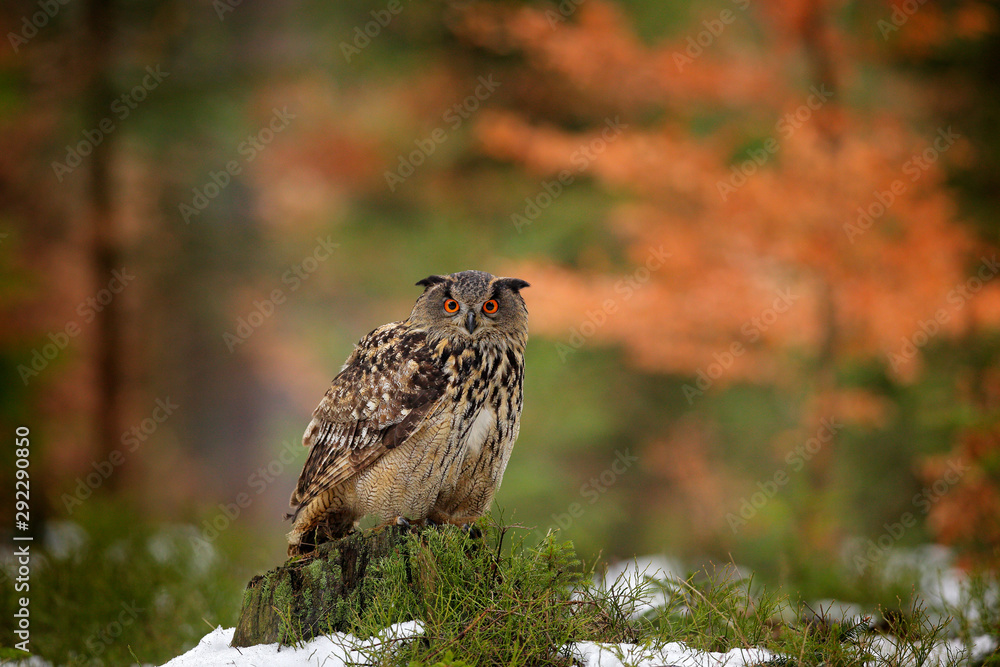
column 312, row 595
column 498, row 604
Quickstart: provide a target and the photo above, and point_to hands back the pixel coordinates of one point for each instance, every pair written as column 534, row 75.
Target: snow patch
column 631, row 578
column 591, row 654
column 336, row 650
column 946, row 652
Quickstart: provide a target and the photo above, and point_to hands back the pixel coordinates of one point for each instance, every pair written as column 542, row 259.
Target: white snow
column 341, row 649
column 618, row 655
column 336, row 650
column 945, row 652
column 631, row 578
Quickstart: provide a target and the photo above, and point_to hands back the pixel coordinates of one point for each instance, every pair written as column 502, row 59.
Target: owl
column 420, row 422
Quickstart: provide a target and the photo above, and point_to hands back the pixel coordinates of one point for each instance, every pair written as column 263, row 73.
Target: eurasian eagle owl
column 420, row 422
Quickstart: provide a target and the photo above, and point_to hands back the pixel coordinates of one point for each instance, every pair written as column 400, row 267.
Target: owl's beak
column 470, row 321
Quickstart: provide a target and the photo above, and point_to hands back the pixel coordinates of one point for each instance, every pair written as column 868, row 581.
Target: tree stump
column 313, row 595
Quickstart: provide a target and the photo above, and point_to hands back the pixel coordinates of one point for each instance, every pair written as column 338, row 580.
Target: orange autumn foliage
column 805, row 227
column 832, row 235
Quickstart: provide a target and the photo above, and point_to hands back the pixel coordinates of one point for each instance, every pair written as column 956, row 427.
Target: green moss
column 13, row 654
column 285, row 603
column 247, row 596
column 316, row 569
column 307, row 596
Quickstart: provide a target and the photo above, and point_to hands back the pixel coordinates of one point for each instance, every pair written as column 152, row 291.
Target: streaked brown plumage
column 421, row 420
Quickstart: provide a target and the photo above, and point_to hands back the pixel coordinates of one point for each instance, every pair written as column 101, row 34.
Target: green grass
column 715, row 611
column 486, row 601
column 132, row 592
column 124, row 591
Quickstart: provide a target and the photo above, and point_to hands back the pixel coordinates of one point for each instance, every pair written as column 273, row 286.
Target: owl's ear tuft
column 514, row 284
column 432, row 280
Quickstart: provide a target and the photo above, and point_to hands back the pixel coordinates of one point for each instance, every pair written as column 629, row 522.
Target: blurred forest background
column 760, row 234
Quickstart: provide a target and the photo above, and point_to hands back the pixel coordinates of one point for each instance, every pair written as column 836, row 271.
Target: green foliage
column 116, row 590
column 12, row 654
column 716, row 612
column 487, row 602
column 130, row 592
column 448, row 660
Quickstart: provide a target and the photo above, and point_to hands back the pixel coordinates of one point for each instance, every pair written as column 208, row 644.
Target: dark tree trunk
column 312, row 595
column 106, row 255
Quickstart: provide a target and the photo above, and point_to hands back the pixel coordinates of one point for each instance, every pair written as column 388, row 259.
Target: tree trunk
column 106, row 255
column 312, row 595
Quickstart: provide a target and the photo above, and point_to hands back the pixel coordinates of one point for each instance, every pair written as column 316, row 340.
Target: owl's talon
column 400, row 522
column 473, row 530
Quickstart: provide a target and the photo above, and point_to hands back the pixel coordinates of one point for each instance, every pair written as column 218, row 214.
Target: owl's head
column 472, row 305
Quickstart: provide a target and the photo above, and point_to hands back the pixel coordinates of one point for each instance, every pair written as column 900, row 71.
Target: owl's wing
column 389, row 386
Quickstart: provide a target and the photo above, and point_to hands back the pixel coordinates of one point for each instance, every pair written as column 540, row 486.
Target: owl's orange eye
column 491, row 307
column 450, row 306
